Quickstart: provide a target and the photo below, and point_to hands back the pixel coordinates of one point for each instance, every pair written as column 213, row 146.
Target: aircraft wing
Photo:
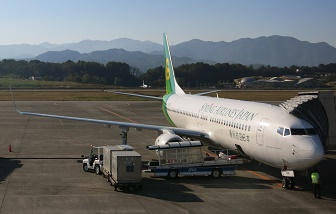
column 125, row 125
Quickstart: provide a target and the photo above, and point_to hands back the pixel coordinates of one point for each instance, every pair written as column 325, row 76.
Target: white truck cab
column 94, row 162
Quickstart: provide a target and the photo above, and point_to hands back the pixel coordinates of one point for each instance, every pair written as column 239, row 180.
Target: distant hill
column 86, row 46
column 137, row 59
column 59, row 56
column 273, row 50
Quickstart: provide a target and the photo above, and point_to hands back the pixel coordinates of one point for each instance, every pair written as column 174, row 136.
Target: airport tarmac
column 43, row 173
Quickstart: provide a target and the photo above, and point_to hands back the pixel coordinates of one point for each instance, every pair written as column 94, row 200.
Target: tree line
column 121, row 74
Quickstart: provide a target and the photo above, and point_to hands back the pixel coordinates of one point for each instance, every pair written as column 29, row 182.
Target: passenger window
column 286, row 132
column 280, row 130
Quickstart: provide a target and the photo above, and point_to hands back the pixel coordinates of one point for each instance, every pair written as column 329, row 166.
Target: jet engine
column 172, row 141
column 167, row 138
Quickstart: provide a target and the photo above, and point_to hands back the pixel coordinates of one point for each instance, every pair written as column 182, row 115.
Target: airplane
column 144, row 85
column 260, row 131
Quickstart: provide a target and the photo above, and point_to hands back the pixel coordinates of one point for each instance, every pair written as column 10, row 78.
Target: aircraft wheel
column 291, row 183
column 284, row 183
column 288, row 183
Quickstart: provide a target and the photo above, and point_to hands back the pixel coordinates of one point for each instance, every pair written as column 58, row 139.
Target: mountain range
column 273, row 50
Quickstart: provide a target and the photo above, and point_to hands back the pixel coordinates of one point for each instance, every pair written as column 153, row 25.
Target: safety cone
column 10, row 148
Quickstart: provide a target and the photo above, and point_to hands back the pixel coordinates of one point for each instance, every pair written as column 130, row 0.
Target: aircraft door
column 200, row 121
column 260, row 132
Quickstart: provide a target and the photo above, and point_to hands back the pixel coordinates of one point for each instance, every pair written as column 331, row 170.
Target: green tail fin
column 171, row 85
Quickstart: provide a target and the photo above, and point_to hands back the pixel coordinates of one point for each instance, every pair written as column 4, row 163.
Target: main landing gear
column 124, row 135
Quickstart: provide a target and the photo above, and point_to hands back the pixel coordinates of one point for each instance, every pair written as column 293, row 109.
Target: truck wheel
column 85, row 167
column 216, row 173
column 172, row 174
column 97, row 170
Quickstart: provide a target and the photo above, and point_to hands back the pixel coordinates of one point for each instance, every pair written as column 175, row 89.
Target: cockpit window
column 286, row 132
column 298, row 131
column 280, row 130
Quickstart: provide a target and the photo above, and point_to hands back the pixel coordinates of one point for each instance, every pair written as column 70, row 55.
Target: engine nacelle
column 167, row 138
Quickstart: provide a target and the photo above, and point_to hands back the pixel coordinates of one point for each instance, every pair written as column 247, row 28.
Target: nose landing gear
column 288, row 182
column 288, row 179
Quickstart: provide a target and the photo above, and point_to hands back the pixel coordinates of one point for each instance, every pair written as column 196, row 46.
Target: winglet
column 14, row 105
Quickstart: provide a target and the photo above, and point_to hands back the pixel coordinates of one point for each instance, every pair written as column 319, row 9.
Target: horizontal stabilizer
column 207, row 92
column 136, row 95
column 176, row 145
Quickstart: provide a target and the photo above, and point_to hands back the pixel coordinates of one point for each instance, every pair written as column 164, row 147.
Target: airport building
column 319, row 109
column 284, row 82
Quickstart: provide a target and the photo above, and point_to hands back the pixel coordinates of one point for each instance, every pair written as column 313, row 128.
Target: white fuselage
column 264, row 132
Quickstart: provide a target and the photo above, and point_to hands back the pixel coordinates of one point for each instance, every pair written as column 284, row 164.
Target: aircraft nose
column 311, row 150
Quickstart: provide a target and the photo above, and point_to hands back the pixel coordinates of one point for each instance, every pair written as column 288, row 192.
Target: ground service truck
column 186, row 159
column 122, row 166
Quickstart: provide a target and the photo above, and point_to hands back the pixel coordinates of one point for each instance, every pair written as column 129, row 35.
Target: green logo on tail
column 170, row 87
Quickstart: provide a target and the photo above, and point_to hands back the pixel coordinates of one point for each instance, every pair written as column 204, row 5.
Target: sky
column 66, row 21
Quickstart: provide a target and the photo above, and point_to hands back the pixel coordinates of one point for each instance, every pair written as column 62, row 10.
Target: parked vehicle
column 94, row 162
column 189, row 161
column 122, row 167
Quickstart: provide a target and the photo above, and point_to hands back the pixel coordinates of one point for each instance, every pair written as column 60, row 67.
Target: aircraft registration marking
column 239, row 136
